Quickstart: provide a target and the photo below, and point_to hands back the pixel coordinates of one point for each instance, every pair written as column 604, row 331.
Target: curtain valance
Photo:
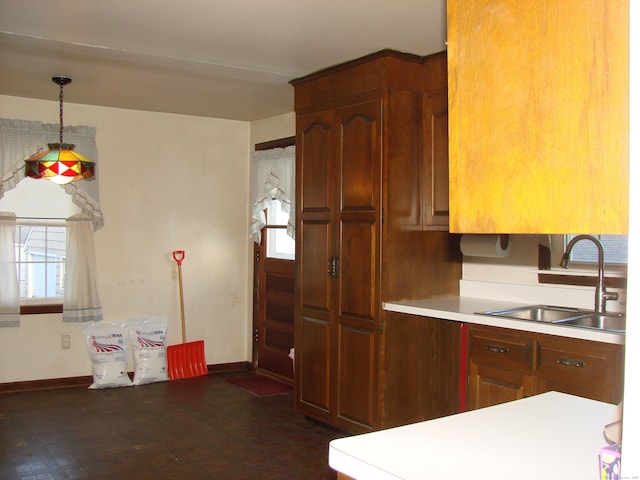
column 273, row 177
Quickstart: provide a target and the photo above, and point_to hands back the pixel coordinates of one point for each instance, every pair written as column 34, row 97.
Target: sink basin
column 611, row 322
column 540, row 313
column 571, row 317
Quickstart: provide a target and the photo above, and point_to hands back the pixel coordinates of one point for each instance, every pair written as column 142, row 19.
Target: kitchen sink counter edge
column 464, row 309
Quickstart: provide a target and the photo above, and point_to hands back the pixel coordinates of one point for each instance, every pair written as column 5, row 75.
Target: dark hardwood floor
column 200, row 428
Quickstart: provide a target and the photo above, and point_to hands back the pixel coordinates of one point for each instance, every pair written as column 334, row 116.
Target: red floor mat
column 260, row 385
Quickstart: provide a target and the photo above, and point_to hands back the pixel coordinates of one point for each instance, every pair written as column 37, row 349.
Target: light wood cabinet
column 538, row 111
column 359, row 235
column 507, row 365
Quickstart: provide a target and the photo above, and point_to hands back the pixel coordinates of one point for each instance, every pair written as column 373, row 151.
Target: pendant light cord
column 61, row 116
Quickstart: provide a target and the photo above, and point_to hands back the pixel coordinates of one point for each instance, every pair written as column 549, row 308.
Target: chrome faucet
column 600, row 304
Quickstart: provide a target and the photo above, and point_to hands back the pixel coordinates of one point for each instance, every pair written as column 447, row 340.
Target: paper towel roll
column 485, row 245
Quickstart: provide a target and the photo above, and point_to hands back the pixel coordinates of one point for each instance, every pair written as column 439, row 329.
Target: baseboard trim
column 86, row 380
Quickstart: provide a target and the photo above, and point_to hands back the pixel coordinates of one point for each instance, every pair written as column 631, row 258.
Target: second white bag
column 147, row 340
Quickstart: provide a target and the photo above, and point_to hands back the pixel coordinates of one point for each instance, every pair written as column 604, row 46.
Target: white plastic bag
column 108, row 347
column 147, row 339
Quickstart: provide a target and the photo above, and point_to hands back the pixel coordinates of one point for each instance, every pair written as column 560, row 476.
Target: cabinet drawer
column 570, row 359
column 505, row 350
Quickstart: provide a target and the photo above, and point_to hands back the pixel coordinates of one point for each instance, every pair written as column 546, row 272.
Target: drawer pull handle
column 495, row 348
column 571, row 363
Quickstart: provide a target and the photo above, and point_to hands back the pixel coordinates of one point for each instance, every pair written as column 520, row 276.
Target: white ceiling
column 228, row 59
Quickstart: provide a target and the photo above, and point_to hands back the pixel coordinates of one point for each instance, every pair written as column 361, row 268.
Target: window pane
column 615, row 249
column 279, row 244
column 275, row 214
column 40, row 260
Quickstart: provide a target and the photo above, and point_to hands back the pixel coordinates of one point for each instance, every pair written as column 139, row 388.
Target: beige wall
column 167, row 182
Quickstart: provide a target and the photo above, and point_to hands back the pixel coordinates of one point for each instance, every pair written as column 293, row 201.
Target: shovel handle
column 178, row 256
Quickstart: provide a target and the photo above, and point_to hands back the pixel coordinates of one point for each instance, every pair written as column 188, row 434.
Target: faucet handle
column 610, row 295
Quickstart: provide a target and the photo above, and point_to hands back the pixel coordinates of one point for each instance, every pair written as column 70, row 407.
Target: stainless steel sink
column 539, row 313
column 610, row 322
column 567, row 316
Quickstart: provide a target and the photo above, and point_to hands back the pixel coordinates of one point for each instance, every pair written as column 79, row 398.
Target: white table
column 548, row 436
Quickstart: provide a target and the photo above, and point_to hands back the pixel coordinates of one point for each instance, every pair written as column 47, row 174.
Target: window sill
column 36, row 309
column 580, row 278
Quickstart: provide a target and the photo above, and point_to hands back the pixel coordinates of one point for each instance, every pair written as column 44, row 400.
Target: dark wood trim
column 279, row 143
column 610, row 282
column 233, row 367
column 48, row 384
column 86, row 380
column 39, row 309
column 544, row 257
column 367, row 58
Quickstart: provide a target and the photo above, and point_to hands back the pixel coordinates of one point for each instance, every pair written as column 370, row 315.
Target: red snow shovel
column 185, row 360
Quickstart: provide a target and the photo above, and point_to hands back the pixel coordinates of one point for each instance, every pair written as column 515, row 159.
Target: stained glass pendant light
column 60, row 164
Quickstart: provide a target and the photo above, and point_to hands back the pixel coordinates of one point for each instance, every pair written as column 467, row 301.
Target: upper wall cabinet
column 538, row 112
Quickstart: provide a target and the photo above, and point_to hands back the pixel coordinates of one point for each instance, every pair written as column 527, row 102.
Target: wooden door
column 357, row 286
column 273, row 313
column 315, row 247
column 338, row 251
column 436, row 168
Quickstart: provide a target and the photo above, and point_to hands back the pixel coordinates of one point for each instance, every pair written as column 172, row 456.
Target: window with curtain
column 272, row 177
column 53, row 260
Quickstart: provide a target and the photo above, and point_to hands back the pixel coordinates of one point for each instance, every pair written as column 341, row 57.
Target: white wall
column 167, row 182
column 274, row 128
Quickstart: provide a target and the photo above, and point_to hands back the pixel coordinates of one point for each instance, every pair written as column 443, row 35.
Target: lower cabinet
column 507, row 365
column 420, row 374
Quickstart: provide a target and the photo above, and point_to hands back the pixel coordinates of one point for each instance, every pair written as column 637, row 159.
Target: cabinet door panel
column 357, row 271
column 437, row 161
column 313, row 165
column 356, row 377
column 315, row 252
column 359, row 152
column 313, row 355
column 491, row 386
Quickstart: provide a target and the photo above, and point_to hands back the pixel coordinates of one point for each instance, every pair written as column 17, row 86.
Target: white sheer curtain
column 9, row 293
column 273, row 176
column 19, row 139
column 81, row 300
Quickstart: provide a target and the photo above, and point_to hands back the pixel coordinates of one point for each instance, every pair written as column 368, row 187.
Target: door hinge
column 256, row 335
column 381, row 326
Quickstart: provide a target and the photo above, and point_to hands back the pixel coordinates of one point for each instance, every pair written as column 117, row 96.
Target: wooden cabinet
column 359, row 235
column 507, row 365
column 538, row 105
column 420, row 374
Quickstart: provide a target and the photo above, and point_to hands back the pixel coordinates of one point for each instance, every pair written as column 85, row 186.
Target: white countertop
column 464, row 309
column 548, row 436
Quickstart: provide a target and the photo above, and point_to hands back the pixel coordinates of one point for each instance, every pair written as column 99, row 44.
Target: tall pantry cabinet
column 361, row 234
